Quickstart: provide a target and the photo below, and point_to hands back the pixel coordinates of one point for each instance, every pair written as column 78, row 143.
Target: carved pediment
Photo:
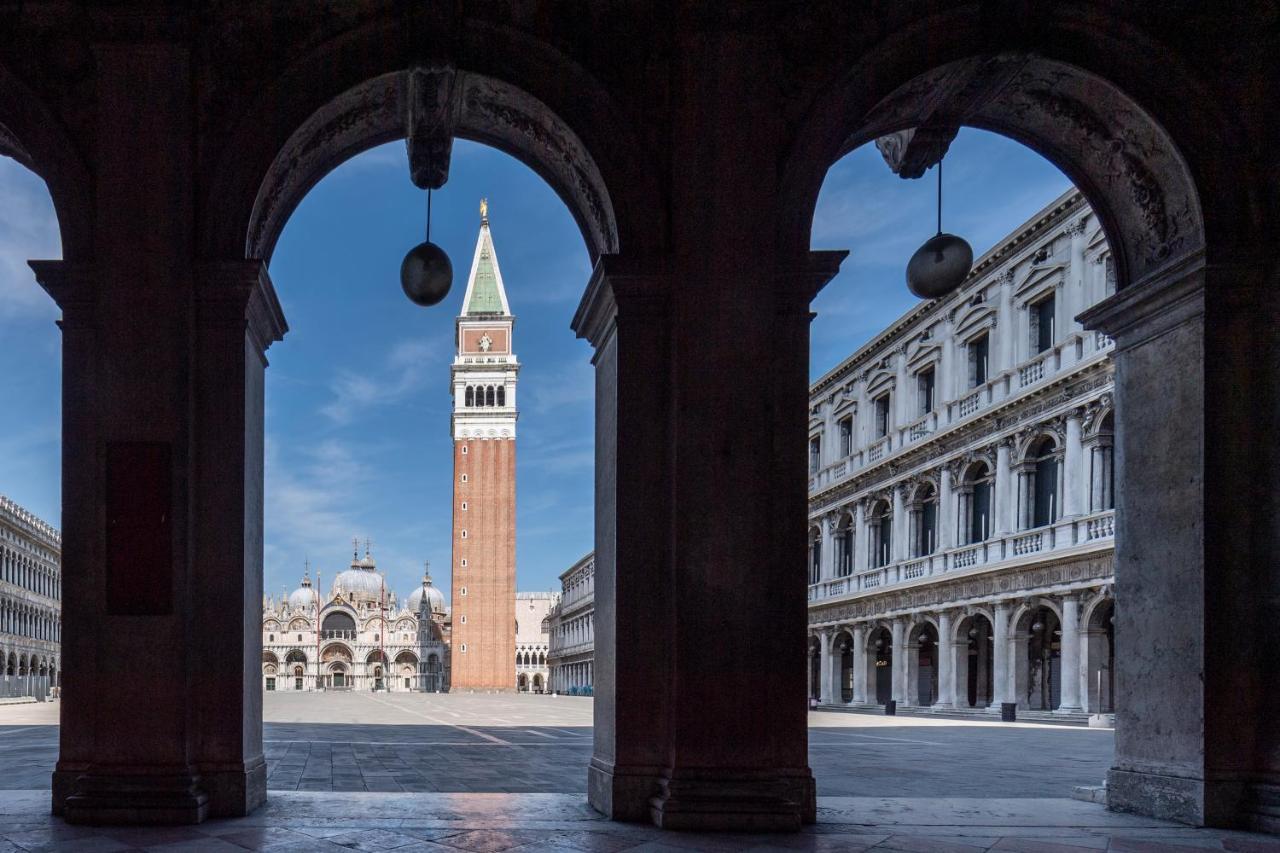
column 1040, row 279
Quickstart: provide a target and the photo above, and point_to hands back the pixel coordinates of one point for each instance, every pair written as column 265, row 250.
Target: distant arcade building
column 484, row 479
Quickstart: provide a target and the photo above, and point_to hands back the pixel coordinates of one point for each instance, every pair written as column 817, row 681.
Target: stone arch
column 879, row 662
column 34, row 136
column 510, row 90
column 1082, row 104
column 1037, row 684
column 974, row 658
column 1098, row 652
column 814, row 655
column 843, row 665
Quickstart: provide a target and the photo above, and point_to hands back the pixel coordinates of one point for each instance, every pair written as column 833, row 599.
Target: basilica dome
column 433, row 596
column 361, row 581
column 303, row 596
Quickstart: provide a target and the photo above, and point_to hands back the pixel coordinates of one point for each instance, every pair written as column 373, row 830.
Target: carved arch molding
column 1121, row 159
column 481, row 109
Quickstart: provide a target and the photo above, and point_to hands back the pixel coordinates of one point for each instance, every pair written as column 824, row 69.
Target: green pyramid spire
column 485, row 293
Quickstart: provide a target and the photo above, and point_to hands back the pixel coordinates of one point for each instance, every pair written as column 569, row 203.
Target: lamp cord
column 939, row 196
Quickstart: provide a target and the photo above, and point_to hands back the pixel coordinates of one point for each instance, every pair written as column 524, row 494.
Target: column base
column 771, row 801
column 1179, row 798
column 147, row 800
column 235, row 792
column 621, row 793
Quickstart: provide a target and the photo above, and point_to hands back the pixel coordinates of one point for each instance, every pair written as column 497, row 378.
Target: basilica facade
column 961, row 500
column 357, row 636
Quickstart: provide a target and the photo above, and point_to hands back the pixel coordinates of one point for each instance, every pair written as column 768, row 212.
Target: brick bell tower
column 484, row 479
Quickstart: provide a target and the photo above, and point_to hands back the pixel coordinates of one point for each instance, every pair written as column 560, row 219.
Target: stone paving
column 308, row 822
column 541, row 744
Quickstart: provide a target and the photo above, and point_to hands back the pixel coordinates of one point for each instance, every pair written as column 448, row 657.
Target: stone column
column 860, row 537
column 1074, row 292
column 1005, row 491
column 1000, row 663
column 156, row 537
column 1073, row 478
column 828, row 523
column 680, row 567
column 1194, row 627
column 859, row 633
column 946, row 520
column 946, row 390
column 1005, row 351
column 901, row 526
column 946, row 662
column 899, row 691
column 824, row 668
column 1069, row 698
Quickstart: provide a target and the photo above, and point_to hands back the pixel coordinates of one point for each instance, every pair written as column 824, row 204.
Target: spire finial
column 355, row 548
column 484, row 211
column 426, row 572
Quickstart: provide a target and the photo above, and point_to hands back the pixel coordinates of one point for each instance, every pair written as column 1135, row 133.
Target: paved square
column 461, row 743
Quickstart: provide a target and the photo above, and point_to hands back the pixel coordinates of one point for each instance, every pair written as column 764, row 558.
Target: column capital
column 800, row 281
column 1162, row 300
column 240, row 292
column 621, row 285
column 71, row 286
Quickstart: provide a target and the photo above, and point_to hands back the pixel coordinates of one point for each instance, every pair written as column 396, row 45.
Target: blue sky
column 357, row 394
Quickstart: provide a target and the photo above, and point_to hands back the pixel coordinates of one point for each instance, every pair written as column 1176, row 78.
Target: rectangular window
column 846, row 436
column 1042, row 331
column 815, row 454
column 979, row 355
column 882, row 415
column 925, row 383
column 271, row 684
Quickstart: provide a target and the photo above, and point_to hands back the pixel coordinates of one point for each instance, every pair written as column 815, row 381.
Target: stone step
column 1074, row 718
column 18, row 700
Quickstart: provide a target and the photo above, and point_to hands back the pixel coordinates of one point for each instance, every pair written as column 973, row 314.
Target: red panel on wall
column 139, row 542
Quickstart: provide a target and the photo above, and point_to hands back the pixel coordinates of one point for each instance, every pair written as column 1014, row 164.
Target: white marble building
column 571, row 627
column 358, row 637
column 532, row 640
column 960, row 492
column 30, row 604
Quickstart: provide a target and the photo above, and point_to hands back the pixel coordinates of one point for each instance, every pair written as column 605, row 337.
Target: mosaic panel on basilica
column 961, row 501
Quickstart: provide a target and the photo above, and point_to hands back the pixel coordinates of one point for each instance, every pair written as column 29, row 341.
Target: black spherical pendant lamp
column 942, row 263
column 426, row 273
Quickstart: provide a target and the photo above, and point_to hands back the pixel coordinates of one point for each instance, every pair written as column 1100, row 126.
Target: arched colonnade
column 170, row 208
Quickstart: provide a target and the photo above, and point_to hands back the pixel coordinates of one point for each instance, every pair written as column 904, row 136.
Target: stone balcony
column 1068, row 535
column 1075, row 352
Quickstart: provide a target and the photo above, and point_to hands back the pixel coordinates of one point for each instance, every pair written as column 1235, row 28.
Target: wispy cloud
column 569, row 388
column 404, row 371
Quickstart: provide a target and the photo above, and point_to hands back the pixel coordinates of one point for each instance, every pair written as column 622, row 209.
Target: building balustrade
column 1069, row 354
column 1102, row 527
column 1059, row 536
